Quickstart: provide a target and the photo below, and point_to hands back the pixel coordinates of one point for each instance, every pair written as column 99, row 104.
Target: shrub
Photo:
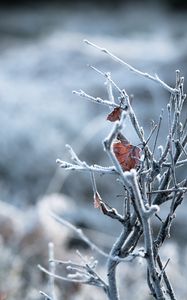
column 148, row 181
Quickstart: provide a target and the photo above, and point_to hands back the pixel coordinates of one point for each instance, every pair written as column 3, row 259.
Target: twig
column 185, row 152
column 146, row 75
column 86, row 168
column 96, row 100
column 80, row 234
column 148, row 242
column 109, row 87
column 177, row 164
column 158, row 129
column 168, row 190
column 171, row 147
column 133, row 119
column 74, row 156
column 62, row 277
column 52, row 269
column 85, row 272
column 93, row 182
column 151, row 134
column 164, row 268
column 83, row 237
column 47, row 297
column 108, row 78
column 167, row 282
column 95, row 278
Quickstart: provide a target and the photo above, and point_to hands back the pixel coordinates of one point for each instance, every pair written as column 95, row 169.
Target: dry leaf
column 127, row 154
column 97, row 200
column 114, row 115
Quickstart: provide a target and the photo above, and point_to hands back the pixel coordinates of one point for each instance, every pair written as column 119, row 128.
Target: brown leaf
column 114, row 115
column 103, row 208
column 97, row 200
column 127, row 154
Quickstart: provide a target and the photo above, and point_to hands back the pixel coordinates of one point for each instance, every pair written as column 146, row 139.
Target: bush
column 149, row 180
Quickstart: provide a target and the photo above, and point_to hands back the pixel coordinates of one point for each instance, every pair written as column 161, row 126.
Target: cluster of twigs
column 146, row 188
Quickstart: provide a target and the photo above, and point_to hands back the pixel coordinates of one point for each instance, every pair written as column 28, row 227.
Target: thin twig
column 108, row 77
column 158, row 129
column 168, row 190
column 80, row 234
column 109, row 87
column 62, row 277
column 185, row 152
column 171, row 147
column 146, row 75
column 96, row 99
column 86, row 168
column 52, row 269
column 167, row 282
column 92, row 245
column 47, row 297
column 177, row 164
column 150, row 134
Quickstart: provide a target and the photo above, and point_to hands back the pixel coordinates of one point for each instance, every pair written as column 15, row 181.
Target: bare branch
column 168, row 190
column 170, row 290
column 85, row 280
column 80, row 233
column 47, row 297
column 96, row 100
column 92, row 245
column 115, row 251
column 145, row 215
column 158, row 129
column 86, row 168
column 146, row 75
column 74, row 156
column 108, row 78
column 109, row 87
column 52, row 270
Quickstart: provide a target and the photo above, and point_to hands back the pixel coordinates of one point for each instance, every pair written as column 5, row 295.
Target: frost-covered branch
column 81, row 273
column 80, row 233
column 145, row 215
column 92, row 245
column 79, row 165
column 147, row 182
column 86, row 168
column 128, row 66
column 52, row 268
column 46, row 296
column 96, row 99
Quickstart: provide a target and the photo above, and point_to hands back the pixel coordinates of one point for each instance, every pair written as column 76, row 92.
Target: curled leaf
column 97, row 200
column 127, row 154
column 107, row 210
column 104, row 208
column 114, row 115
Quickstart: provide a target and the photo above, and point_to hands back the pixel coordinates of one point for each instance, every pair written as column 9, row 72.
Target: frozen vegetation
column 42, row 60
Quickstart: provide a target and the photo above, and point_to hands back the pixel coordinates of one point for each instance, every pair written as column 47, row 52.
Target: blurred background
column 42, row 59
